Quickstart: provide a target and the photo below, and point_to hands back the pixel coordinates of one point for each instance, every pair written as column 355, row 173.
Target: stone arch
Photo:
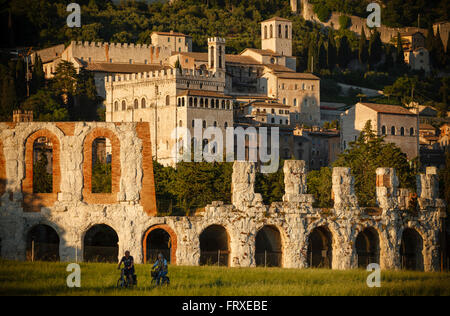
column 143, row 103
column 367, row 246
column 269, row 247
column 42, row 243
column 101, row 198
column 214, row 246
column 411, row 250
column 158, row 231
column 320, row 247
column 32, row 202
column 100, row 244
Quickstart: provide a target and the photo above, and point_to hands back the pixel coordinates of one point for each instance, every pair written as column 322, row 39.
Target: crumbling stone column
column 243, row 185
column 343, row 189
column 295, row 182
column 387, row 185
column 428, row 189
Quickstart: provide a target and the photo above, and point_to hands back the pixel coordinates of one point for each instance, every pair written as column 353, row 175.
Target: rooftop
column 124, row 68
column 277, row 18
column 296, row 75
column 388, row 109
column 203, row 93
column 171, row 33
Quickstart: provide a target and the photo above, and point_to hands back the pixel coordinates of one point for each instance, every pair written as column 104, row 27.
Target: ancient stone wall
column 131, row 211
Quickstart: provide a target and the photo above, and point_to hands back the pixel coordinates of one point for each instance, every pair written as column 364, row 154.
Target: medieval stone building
column 71, row 223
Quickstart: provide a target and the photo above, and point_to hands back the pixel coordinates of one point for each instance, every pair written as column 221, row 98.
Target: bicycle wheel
column 120, row 283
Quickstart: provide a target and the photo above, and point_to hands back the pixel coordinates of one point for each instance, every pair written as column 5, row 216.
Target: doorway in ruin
column 368, row 247
column 320, row 249
column 268, row 247
column 42, row 244
column 214, row 246
column 411, row 250
column 159, row 239
column 101, row 244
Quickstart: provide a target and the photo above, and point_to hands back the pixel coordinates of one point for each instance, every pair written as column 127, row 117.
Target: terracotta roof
column 171, row 34
column 388, row 109
column 238, row 59
column 269, row 105
column 278, row 68
column 426, row 127
column 124, row 68
column 263, row 52
column 277, row 18
column 203, row 93
column 51, row 53
column 296, row 75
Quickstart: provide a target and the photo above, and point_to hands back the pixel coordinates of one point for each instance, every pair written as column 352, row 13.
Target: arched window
column 42, row 165
column 116, row 106
column 393, row 130
column 217, row 103
column 286, row 35
column 182, row 102
column 136, row 104
column 201, row 102
column 223, row 104
column 206, row 103
column 215, row 124
column 271, row 31
column 195, row 102
column 280, row 34
column 212, row 56
column 284, row 101
column 101, row 165
column 181, row 123
column 402, row 131
column 167, row 100
column 143, row 105
column 411, row 131
column 295, row 102
column 190, row 101
column 265, row 32
column 100, row 237
column 204, row 124
column 124, row 105
column 228, row 104
column 383, row 130
column 226, row 124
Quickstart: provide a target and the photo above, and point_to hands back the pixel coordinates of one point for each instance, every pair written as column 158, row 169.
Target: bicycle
column 164, row 280
column 125, row 282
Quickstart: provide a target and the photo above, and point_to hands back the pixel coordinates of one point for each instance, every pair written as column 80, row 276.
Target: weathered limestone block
column 343, row 190
column 404, row 196
column 295, row 182
column 243, row 185
column 387, row 184
column 428, row 189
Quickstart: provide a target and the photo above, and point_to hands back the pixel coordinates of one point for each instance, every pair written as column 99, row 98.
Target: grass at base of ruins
column 41, row 278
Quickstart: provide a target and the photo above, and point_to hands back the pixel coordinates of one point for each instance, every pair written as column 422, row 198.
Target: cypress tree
column 331, row 50
column 400, row 56
column 363, row 53
column 344, row 52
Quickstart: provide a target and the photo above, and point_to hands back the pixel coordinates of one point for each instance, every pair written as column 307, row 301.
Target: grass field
column 41, row 278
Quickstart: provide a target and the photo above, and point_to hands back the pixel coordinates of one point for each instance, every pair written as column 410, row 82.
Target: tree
column 444, row 178
column 400, row 57
column 363, row 49
column 344, row 52
column 38, row 75
column 8, row 100
column 331, row 50
column 375, row 49
column 45, row 107
column 42, row 180
column 344, row 22
column 437, row 52
column 319, row 185
column 368, row 153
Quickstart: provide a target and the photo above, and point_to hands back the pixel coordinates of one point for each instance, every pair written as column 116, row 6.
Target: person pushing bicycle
column 160, row 267
column 128, row 263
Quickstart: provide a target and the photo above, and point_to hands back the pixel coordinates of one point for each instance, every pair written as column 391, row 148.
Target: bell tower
column 216, row 54
column 276, row 35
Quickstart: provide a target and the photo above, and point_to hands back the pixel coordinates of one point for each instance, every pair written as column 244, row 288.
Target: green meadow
column 43, row 278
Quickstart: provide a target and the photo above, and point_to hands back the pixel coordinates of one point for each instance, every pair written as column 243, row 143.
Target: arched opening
column 271, row 31
column 167, row 99
column 101, row 244
column 42, row 165
column 42, row 244
column 402, row 131
column 124, row 105
column 101, row 165
column 214, row 246
column 393, row 130
column 320, row 245
column 116, row 106
column 136, row 104
column 143, row 105
column 265, row 31
column 160, row 239
column 268, row 247
column 383, row 130
column 411, row 250
column 368, row 247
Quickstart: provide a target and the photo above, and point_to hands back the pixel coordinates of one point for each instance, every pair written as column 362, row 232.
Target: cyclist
column 161, row 268
column 128, row 263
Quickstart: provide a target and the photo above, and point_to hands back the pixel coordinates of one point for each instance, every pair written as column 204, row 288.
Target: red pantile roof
column 388, row 109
